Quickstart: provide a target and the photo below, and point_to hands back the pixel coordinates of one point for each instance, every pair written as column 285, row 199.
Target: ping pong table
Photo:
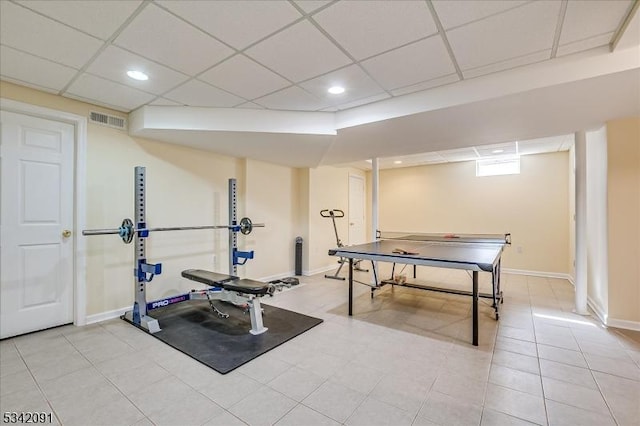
column 471, row 252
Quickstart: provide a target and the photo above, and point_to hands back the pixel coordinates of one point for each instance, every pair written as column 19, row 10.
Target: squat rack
column 143, row 271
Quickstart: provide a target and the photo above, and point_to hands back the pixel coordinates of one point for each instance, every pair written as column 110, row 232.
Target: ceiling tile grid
column 160, row 36
column 110, row 94
column 366, row 28
column 30, row 32
column 424, row 60
column 110, row 63
column 517, row 32
column 299, row 52
column 201, row 94
column 244, row 77
column 99, row 19
column 280, row 54
column 236, row 23
column 26, row 68
column 359, row 83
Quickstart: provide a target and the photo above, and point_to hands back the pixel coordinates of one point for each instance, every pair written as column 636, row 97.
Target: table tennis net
column 444, row 238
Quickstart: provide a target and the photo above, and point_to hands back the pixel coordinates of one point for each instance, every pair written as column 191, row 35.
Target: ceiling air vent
column 108, row 120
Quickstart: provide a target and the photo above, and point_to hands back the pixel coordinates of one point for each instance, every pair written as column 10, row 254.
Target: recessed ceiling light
column 336, row 90
column 498, row 151
column 137, row 75
column 397, row 162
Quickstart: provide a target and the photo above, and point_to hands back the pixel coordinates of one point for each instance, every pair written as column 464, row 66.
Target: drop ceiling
column 258, row 56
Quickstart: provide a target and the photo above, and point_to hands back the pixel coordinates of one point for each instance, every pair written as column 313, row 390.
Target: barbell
column 127, row 230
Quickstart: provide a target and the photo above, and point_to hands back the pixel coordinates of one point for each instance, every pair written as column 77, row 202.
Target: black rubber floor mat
column 224, row 344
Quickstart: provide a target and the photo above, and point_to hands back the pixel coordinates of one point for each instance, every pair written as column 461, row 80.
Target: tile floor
column 405, row 358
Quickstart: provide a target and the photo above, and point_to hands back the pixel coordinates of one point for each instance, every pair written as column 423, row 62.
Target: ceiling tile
column 164, row 102
column 299, row 52
column 417, row 62
column 508, row 64
column 518, row 32
column 244, row 77
column 456, row 13
column 156, row 34
column 363, row 101
column 464, row 154
column 27, row 31
column 113, row 64
column 238, row 23
column 356, row 82
column 33, row 70
column 250, row 105
column 366, row 28
column 586, row 44
column 548, row 144
column 198, row 93
column 98, row 18
column 114, row 95
column 310, row 6
column 436, row 82
column 509, row 148
column 292, row 98
column 586, row 19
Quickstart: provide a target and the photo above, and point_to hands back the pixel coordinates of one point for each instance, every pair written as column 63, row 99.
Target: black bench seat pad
column 228, row 282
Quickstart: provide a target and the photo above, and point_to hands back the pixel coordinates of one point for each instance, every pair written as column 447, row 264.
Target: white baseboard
column 598, row 310
column 543, row 274
column 320, row 270
column 104, row 316
column 628, row 325
column 277, row 276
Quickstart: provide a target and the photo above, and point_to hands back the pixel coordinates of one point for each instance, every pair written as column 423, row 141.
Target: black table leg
column 350, row 286
column 475, row 308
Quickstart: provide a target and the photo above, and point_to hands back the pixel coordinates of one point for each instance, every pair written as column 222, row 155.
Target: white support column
column 581, row 223
column 374, row 209
column 374, row 196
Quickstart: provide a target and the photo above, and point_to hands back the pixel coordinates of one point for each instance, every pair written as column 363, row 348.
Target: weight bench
column 228, row 288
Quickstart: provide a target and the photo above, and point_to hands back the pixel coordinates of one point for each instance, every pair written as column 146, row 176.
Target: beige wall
column 272, row 196
column 533, row 206
column 328, row 189
column 184, row 187
column 623, row 188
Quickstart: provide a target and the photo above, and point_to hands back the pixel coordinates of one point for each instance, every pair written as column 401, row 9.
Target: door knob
column 66, row 233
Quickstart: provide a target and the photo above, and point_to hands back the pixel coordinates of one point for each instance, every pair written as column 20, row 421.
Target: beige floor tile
column 263, row 407
column 296, row 383
column 374, row 412
column 565, row 356
column 617, row 367
column 516, row 361
column 194, row 409
column 460, row 387
column 403, row 391
column 518, row 346
column 230, row 388
column 496, row 418
column 516, row 379
column 515, row 403
column 445, row 410
column 378, row 367
column 335, row 401
column 566, row 415
column 17, row 382
column 567, row 373
column 302, row 415
column 570, row 394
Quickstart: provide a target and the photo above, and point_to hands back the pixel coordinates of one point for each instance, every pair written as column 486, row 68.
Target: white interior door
column 357, row 233
column 36, row 196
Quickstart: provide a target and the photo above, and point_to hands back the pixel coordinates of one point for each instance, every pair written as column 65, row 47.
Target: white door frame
column 364, row 206
column 80, row 179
